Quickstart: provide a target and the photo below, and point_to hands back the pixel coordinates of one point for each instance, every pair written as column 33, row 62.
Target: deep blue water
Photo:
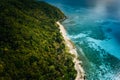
column 94, row 28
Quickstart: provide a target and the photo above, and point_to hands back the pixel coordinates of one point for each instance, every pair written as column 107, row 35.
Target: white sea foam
column 77, row 36
column 111, row 46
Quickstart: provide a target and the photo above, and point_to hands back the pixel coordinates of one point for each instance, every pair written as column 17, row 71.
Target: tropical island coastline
column 80, row 72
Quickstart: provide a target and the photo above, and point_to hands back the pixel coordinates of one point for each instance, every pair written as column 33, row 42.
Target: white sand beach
column 80, row 72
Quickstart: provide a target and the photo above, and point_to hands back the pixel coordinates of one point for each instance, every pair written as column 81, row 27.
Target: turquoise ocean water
column 94, row 28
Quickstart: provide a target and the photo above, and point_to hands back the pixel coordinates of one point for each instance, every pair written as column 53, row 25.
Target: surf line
column 72, row 50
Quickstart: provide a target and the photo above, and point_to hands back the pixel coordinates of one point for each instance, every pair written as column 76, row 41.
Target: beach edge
column 72, row 50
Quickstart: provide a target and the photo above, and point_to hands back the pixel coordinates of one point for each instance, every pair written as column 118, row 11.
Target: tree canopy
column 31, row 46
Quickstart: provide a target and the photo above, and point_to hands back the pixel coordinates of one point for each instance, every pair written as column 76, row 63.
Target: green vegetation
column 31, row 46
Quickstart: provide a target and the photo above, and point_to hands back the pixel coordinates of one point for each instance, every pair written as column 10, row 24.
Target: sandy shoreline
column 80, row 72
